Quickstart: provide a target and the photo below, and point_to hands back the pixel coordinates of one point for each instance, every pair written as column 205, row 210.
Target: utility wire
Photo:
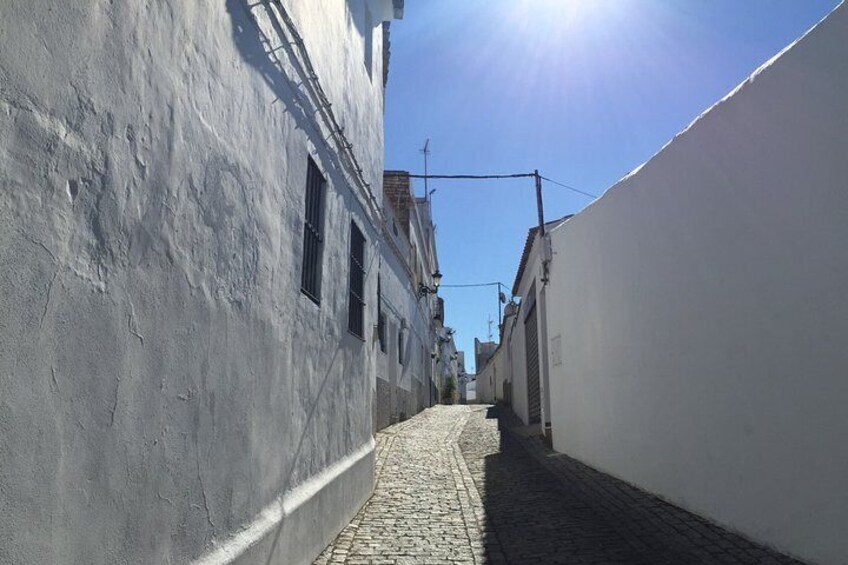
column 470, row 285
column 570, row 187
column 515, row 176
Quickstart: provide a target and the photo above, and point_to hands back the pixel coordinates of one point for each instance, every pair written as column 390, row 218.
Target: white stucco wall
column 448, row 366
column 167, row 394
column 407, row 382
column 702, row 308
column 485, row 383
column 501, row 373
column 489, row 377
column 518, row 363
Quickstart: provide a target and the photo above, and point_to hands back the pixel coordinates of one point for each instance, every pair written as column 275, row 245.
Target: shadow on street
column 544, row 507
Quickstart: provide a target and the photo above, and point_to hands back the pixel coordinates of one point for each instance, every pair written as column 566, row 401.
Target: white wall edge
column 283, row 506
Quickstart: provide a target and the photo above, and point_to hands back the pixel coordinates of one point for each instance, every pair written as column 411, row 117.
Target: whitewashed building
column 490, row 379
column 691, row 322
column 406, row 379
column 447, row 358
column 523, row 361
column 191, row 237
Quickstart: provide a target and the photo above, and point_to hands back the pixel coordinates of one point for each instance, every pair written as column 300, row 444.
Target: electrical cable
column 514, row 176
column 470, row 285
column 577, row 190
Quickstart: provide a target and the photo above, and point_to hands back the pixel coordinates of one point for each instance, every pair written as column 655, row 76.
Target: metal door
column 531, row 337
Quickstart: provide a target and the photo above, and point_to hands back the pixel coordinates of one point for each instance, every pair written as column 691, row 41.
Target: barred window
column 381, row 317
column 313, row 237
column 400, row 345
column 356, row 283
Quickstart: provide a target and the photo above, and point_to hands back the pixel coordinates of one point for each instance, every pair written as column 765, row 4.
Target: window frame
column 312, row 254
column 400, row 345
column 356, row 283
column 381, row 317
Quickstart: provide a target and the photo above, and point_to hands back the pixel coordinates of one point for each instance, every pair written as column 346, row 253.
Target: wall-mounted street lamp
column 424, row 290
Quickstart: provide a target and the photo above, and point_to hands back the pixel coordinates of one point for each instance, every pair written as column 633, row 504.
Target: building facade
column 521, row 371
column 406, row 379
column 697, row 312
column 192, row 237
column 685, row 331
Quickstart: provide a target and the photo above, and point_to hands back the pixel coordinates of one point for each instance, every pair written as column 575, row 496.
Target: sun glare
column 556, row 12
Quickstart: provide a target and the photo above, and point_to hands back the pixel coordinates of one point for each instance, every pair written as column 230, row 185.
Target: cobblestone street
column 455, row 486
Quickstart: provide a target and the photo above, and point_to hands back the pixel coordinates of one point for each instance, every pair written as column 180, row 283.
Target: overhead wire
column 510, row 176
column 577, row 190
column 470, row 285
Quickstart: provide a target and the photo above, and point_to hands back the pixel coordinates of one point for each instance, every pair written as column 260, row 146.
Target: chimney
column 397, row 192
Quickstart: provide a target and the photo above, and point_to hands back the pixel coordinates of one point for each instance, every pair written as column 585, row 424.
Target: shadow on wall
column 254, row 47
column 533, row 516
column 267, row 54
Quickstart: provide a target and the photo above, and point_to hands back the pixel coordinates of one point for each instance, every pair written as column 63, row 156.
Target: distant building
column 482, row 351
column 411, row 317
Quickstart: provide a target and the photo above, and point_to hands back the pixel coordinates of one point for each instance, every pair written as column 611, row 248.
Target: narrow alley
column 464, row 484
column 286, row 282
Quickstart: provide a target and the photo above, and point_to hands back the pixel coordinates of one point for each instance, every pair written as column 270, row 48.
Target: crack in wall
column 205, row 499
column 130, row 326
column 47, row 303
column 115, row 403
column 53, row 378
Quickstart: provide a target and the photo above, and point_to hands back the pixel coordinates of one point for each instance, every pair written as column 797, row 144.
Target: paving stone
column 455, row 486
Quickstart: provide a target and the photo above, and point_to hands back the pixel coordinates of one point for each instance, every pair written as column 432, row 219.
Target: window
column 381, row 318
column 313, row 240
column 400, row 346
column 356, row 282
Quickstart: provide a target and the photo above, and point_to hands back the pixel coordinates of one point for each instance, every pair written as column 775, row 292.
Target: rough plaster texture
column 163, row 383
column 701, row 307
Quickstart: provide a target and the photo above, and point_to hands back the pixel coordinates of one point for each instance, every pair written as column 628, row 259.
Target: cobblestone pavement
column 454, row 486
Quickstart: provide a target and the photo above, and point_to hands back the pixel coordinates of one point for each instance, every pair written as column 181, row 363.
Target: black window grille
column 400, row 346
column 381, row 317
column 356, row 302
column 313, row 237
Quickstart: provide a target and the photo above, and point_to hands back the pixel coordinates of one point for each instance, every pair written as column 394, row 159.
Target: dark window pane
column 381, row 318
column 356, row 283
column 313, row 240
column 400, row 346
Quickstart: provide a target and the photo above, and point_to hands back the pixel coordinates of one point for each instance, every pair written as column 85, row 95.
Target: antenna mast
column 426, row 152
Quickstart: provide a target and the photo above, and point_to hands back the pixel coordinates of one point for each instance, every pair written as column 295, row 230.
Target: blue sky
column 583, row 90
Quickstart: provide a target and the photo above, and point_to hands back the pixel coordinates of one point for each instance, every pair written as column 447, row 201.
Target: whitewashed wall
column 486, row 382
column 402, row 389
column 531, row 282
column 447, row 367
column 166, row 392
column 490, row 380
column 514, row 338
column 502, row 372
column 702, row 307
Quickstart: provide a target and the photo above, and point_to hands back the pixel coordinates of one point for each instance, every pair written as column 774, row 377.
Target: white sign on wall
column 556, row 350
